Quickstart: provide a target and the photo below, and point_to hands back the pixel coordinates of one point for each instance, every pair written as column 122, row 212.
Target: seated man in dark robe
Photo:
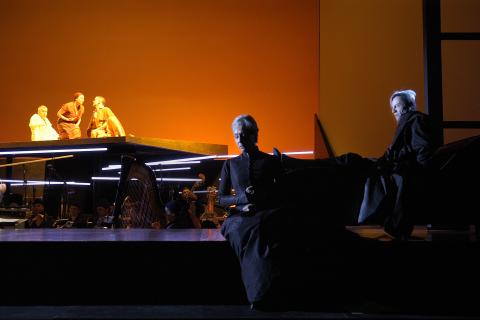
column 280, row 236
column 254, row 225
column 393, row 191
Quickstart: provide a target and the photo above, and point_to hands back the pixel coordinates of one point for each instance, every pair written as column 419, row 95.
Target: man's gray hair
column 246, row 121
column 408, row 96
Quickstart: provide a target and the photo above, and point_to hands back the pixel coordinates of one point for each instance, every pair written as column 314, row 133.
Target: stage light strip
column 179, row 160
column 297, row 153
column 106, row 178
column 112, row 167
column 118, row 166
column 179, row 179
column 226, row 156
column 41, row 183
column 73, row 183
column 173, row 169
column 177, row 163
column 223, row 156
column 189, row 160
column 158, row 179
column 53, row 151
column 35, row 183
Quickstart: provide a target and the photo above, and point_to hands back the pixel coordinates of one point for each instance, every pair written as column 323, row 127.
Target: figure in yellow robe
column 104, row 123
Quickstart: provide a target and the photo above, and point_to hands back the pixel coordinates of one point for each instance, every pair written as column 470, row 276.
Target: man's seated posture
column 104, row 123
column 41, row 127
column 254, row 224
column 38, row 218
column 393, row 190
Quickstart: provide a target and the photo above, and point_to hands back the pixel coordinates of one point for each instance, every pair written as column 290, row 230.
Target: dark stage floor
column 190, row 312
column 172, row 274
column 110, row 235
column 420, row 234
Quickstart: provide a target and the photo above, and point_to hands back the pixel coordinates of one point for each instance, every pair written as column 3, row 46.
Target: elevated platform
column 90, row 156
column 115, row 145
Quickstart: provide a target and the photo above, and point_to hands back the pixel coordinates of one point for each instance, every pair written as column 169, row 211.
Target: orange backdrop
column 370, row 48
column 174, row 69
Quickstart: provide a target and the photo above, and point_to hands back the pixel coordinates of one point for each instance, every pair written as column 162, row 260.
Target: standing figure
column 70, row 117
column 104, row 123
column 394, row 192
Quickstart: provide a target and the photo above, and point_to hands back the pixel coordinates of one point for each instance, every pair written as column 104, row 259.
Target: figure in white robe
column 41, row 127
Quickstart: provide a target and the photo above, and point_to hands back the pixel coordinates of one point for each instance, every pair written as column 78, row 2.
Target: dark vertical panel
column 433, row 65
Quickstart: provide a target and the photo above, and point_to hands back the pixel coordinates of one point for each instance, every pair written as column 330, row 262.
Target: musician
column 41, row 127
column 75, row 218
column 70, row 117
column 38, row 218
column 104, row 218
column 201, row 197
column 179, row 216
column 104, row 123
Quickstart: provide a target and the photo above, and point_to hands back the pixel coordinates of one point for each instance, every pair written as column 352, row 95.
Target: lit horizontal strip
column 286, row 153
column 195, row 160
column 178, row 179
column 226, row 156
column 297, row 152
column 176, row 163
column 109, row 178
column 112, row 167
column 118, row 166
column 42, row 183
column 158, row 179
column 52, row 151
column 184, row 160
column 173, row 169
column 73, row 183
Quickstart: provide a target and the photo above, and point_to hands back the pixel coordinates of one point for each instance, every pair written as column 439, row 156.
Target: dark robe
column 393, row 191
column 254, row 236
column 259, row 170
column 282, row 246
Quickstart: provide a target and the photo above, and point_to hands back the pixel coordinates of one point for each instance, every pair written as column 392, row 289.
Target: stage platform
column 197, row 267
column 85, row 171
column 115, row 145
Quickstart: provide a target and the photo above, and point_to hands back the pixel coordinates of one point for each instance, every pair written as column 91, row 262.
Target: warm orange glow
column 172, row 69
column 368, row 49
